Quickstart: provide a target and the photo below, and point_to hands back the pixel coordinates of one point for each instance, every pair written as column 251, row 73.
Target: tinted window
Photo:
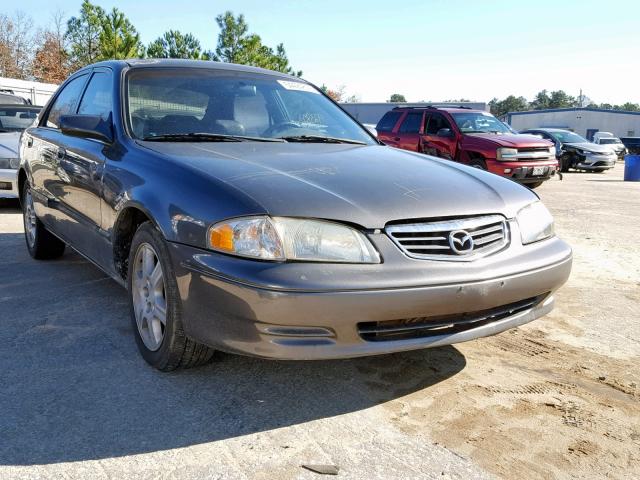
column 66, row 101
column 411, row 123
column 388, row 121
column 97, row 97
column 436, row 122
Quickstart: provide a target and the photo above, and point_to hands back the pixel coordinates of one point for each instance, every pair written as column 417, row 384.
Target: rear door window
column 412, row 123
column 65, row 103
column 388, row 121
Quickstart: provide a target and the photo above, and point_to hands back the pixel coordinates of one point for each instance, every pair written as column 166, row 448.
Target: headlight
column 280, row 238
column 506, row 153
column 9, row 163
column 535, row 222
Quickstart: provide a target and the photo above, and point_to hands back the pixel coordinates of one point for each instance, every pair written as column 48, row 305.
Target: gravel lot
column 557, row 398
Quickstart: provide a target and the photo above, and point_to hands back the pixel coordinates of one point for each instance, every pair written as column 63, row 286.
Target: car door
column 386, row 127
column 81, row 168
column 408, row 135
column 436, row 140
column 44, row 146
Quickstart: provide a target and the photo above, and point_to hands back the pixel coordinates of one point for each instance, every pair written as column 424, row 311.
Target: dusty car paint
column 85, row 189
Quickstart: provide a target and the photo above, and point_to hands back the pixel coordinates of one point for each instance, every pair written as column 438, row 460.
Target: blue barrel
column 632, row 168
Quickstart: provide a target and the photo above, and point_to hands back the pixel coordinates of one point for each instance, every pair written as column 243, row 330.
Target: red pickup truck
column 473, row 137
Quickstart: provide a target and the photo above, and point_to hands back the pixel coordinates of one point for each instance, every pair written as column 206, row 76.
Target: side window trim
column 85, row 87
column 44, row 118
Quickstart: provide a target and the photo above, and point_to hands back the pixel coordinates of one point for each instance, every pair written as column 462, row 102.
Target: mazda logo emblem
column 461, row 242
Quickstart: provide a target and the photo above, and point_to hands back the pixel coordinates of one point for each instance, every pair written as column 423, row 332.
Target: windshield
column 16, row 118
column 609, row 141
column 479, row 122
column 565, row 136
column 215, row 103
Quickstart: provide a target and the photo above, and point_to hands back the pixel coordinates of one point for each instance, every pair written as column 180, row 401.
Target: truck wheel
column 535, row 184
column 564, row 164
column 155, row 305
column 41, row 243
column 478, row 163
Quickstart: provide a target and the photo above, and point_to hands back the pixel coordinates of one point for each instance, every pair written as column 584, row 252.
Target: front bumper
column 313, row 311
column 524, row 171
column 596, row 162
column 8, row 183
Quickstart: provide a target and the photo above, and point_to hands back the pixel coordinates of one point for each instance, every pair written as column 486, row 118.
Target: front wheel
column 41, row 244
column 155, row 305
column 478, row 163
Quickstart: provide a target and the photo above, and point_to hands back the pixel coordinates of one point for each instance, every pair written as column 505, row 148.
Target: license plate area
column 537, row 171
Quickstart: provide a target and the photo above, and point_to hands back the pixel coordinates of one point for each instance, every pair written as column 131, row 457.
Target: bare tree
column 51, row 62
column 16, row 45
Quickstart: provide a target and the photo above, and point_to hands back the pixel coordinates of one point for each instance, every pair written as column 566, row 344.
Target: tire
column 535, row 184
column 163, row 345
column 564, row 164
column 478, row 163
column 41, row 243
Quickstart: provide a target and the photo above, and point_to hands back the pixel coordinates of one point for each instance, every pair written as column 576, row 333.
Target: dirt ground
column 557, row 398
column 560, row 397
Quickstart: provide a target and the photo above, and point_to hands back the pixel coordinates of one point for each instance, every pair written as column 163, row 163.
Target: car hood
column 590, row 147
column 512, row 140
column 9, row 142
column 364, row 185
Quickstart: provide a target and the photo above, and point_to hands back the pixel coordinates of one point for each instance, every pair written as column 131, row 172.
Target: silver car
column 13, row 120
column 244, row 211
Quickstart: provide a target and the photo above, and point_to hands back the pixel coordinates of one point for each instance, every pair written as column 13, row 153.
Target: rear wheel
column 41, row 243
column 155, row 305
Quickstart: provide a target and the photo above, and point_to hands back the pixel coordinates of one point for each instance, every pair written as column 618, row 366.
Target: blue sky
column 426, row 50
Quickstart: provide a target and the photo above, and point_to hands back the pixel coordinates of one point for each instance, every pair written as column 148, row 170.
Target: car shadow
column 73, row 386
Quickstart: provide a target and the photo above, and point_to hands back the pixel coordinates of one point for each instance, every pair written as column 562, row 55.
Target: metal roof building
column 583, row 121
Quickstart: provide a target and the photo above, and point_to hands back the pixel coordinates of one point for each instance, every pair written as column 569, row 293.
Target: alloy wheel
column 149, row 297
column 30, row 220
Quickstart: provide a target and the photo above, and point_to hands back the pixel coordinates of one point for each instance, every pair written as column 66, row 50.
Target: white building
column 38, row 93
column 583, row 121
column 371, row 113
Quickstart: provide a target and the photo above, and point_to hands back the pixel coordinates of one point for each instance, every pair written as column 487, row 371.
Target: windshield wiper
column 206, row 137
column 320, row 139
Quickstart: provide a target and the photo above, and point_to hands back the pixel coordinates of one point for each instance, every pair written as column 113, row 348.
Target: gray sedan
column 245, row 211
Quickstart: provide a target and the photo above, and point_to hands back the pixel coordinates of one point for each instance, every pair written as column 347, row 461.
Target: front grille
column 447, row 240
column 533, row 149
column 424, row 327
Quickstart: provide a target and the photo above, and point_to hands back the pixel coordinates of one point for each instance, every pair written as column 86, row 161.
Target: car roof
column 443, row 109
column 21, row 106
column 547, row 130
column 184, row 63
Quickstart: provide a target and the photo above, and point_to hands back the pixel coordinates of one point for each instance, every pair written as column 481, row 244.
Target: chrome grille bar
column 433, row 240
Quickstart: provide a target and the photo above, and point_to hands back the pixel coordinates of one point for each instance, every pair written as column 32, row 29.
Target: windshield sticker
column 303, row 87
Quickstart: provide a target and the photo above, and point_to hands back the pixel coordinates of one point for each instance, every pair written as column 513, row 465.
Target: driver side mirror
column 445, row 132
column 87, row 126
